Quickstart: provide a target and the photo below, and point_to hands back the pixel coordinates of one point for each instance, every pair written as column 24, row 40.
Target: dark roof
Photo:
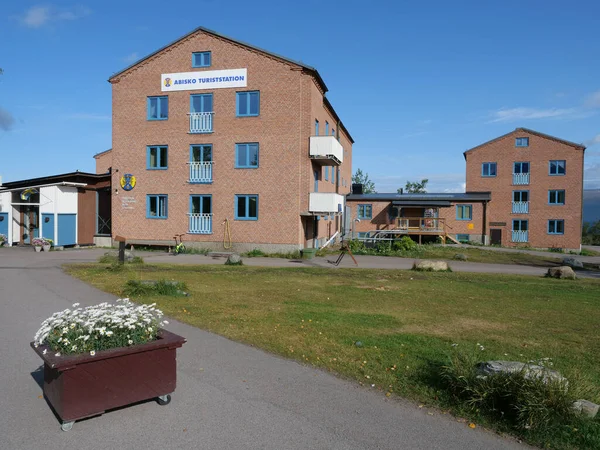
column 310, row 69
column 102, row 153
column 71, row 177
column 527, row 130
column 416, row 198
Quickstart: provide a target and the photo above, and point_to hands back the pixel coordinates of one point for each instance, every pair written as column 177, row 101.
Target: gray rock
column 432, row 266
column 586, row 408
column 572, row 262
column 234, row 259
column 128, row 255
column 461, row 257
column 561, row 272
column 528, row 370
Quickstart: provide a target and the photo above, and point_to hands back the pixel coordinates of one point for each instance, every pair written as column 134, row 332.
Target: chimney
column 357, row 188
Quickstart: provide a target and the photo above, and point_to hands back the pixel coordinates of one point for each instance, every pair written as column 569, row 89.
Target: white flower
column 165, row 322
column 65, row 330
column 73, row 348
column 130, row 342
column 57, row 354
column 72, row 326
column 45, row 351
column 150, row 330
column 75, row 305
column 92, row 353
column 109, row 333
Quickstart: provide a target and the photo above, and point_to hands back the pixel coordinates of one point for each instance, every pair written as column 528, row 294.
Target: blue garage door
column 4, row 224
column 48, row 226
column 67, row 224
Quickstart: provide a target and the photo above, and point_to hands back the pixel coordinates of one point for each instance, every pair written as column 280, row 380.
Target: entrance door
column 496, row 236
column 29, row 224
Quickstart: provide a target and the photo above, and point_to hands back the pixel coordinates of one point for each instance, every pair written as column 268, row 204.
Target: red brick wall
column 540, row 151
column 103, row 162
column 283, row 179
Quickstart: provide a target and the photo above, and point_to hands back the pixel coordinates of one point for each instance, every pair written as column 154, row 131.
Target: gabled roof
column 527, row 130
column 51, row 179
column 309, row 69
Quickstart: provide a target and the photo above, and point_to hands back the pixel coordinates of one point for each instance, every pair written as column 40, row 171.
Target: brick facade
column 291, row 98
column 103, row 161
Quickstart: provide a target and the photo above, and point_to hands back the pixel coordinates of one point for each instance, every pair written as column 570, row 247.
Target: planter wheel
column 66, row 426
column 164, row 399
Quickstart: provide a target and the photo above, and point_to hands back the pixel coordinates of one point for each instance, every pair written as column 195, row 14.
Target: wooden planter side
column 89, row 386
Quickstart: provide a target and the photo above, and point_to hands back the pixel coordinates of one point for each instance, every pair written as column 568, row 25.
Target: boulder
column 234, row 260
column 586, row 408
column 572, row 262
column 561, row 272
column 128, row 255
column 431, row 266
column 528, row 370
column 460, row 257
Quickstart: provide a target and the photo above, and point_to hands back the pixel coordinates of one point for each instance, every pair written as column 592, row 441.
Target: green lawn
column 405, row 322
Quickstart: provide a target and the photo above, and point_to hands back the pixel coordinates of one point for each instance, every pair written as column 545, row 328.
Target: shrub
column 255, row 253
column 134, row 288
column 356, row 246
column 405, row 244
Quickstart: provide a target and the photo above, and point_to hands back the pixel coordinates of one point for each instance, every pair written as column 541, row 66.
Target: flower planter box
column 46, row 247
column 80, row 386
column 37, row 248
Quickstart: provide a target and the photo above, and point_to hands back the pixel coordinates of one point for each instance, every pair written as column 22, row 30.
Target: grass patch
column 257, row 253
column 138, row 289
column 112, row 258
column 405, row 321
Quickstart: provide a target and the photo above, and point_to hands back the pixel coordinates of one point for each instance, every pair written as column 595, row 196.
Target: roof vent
column 357, row 188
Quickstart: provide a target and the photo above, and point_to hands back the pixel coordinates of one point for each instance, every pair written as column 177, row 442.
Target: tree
column 415, row 187
column 363, row 178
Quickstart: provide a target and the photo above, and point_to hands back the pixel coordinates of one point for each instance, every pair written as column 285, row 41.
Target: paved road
column 229, row 395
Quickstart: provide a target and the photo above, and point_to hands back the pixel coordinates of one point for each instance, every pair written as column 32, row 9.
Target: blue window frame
column 246, row 156
column 365, row 211
column 520, row 196
column 156, row 157
column 557, row 167
column 488, row 169
column 464, row 212
column 247, row 103
column 246, row 207
column 201, row 59
column 521, row 167
column 156, row 206
column 326, row 128
column 316, row 127
column 522, row 142
column 556, row 226
column 158, row 108
column 332, row 132
column 201, row 103
column 326, row 168
column 556, row 197
column 462, row 237
column 520, row 225
column 333, row 175
column 200, row 204
column 201, row 153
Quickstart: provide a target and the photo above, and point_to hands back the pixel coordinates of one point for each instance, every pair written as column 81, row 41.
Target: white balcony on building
column 520, row 178
column 520, row 207
column 200, row 223
column 201, row 172
column 325, row 203
column 326, row 150
column 201, row 122
column 520, row 236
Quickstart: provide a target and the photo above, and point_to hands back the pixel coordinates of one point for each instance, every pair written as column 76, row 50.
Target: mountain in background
column 591, row 205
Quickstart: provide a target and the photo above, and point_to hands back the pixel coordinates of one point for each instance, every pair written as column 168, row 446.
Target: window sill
column 244, row 167
column 246, row 220
column 157, row 218
column 157, row 120
column 200, row 182
column 156, row 168
column 246, row 116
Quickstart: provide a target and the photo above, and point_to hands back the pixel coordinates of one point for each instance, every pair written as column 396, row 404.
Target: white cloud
column 38, row 16
column 593, row 141
column 131, row 58
column 521, row 113
column 591, row 177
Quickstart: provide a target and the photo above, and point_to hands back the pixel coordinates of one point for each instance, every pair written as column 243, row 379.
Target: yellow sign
column 470, row 226
column 127, row 182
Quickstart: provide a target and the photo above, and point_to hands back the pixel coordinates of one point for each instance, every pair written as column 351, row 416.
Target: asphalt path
column 229, row 395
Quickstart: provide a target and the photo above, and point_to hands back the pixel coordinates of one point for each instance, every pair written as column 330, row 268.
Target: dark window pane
column 152, row 208
column 163, row 157
column 241, row 206
column 207, row 153
column 253, row 155
column 242, row 104
column 153, row 157
column 195, row 205
column 208, row 103
column 164, row 107
column 242, row 156
column 152, row 106
column 254, row 102
column 206, row 205
column 253, row 207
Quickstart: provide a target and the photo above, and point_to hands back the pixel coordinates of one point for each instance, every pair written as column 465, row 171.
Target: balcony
column 201, row 122
column 200, row 223
column 520, row 178
column 325, row 203
column 520, row 207
column 201, row 172
column 520, row 236
column 326, row 150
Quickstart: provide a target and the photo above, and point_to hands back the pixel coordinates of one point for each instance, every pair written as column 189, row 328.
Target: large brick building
column 522, row 189
column 224, row 141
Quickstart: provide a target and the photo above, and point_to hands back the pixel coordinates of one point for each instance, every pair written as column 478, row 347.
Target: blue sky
column 416, row 83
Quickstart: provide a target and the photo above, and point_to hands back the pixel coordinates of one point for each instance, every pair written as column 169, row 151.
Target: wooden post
column 121, row 240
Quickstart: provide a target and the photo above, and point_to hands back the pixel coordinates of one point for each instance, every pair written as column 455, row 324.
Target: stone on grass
column 586, row 408
column 128, row 255
column 528, row 370
column 460, row 257
column 561, row 272
column 234, row 260
column 572, row 262
column 431, row 266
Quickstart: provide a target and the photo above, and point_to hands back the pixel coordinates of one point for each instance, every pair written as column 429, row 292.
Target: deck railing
column 424, row 224
column 201, row 172
column 520, row 207
column 520, row 178
column 201, row 122
column 200, row 223
column 520, row 236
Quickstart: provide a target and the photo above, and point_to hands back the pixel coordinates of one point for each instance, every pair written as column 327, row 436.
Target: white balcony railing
column 200, row 223
column 201, row 122
column 201, row 172
column 325, row 202
column 520, row 236
column 326, row 147
column 520, row 207
column 520, row 178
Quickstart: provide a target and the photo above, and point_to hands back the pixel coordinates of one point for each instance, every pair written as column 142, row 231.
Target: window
column 488, row 169
column 247, row 103
column 462, row 238
column 522, row 142
column 326, row 128
column 316, row 127
column 156, row 157
column 200, row 216
column 200, row 204
column 464, row 212
column 246, row 207
column 201, row 103
column 201, row 59
column 246, row 156
column 326, row 173
column 520, row 225
column 365, row 211
column 556, row 197
column 332, row 132
column 201, row 153
column 156, row 206
column 558, row 167
column 556, row 226
column 158, row 108
column 333, row 175
column 521, row 167
column 520, row 196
